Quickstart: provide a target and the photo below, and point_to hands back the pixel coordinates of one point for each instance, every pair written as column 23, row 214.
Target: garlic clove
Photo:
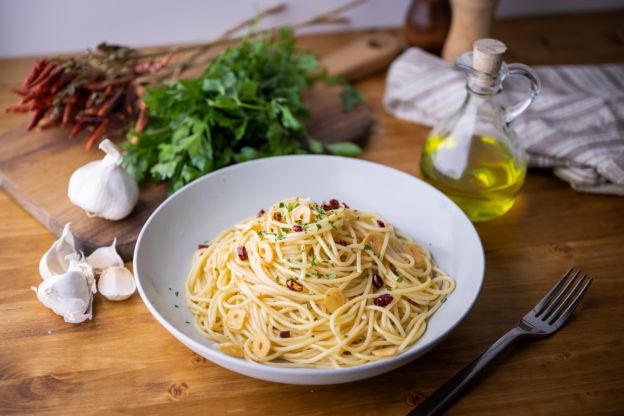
column 105, row 257
column 67, row 295
column 83, row 267
column 116, row 283
column 104, row 188
column 56, row 260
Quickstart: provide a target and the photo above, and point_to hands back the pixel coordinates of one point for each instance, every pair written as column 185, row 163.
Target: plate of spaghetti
column 309, row 269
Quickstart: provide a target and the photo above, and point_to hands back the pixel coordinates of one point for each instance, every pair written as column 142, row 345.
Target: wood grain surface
column 124, row 363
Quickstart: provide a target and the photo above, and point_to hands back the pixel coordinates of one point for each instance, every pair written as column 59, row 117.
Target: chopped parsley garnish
column 366, row 247
column 177, row 293
column 176, row 306
column 318, row 226
column 281, row 237
column 299, row 222
column 400, row 279
column 332, row 275
column 277, row 279
column 285, row 230
column 332, row 223
column 317, row 274
column 281, row 205
column 289, row 207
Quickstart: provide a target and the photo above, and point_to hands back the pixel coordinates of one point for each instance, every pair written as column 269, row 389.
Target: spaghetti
column 314, row 285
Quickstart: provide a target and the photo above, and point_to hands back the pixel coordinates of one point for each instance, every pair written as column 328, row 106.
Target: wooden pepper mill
column 472, row 20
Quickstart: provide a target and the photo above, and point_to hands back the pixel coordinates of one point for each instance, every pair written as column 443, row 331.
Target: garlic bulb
column 103, row 188
column 56, row 260
column 116, row 283
column 105, row 257
column 69, row 294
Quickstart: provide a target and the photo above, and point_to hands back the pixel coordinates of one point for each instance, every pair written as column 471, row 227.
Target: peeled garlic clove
column 116, row 283
column 103, row 188
column 386, row 352
column 266, row 251
column 105, row 257
column 261, row 345
column 56, row 260
column 374, row 241
column 302, row 213
column 67, row 295
column 83, row 267
column 334, row 299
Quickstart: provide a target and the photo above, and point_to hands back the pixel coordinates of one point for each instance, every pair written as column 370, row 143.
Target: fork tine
column 566, row 314
column 563, row 302
column 557, row 301
column 539, row 308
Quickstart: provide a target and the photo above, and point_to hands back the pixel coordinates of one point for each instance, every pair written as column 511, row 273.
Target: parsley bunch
column 245, row 105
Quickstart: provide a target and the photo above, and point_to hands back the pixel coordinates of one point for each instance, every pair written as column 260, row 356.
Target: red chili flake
column 342, row 243
column 242, row 253
column 293, row 285
column 297, row 228
column 335, row 203
column 277, row 216
column 381, row 223
column 383, row 300
column 261, row 213
column 326, row 207
column 203, row 245
column 284, row 334
column 377, row 281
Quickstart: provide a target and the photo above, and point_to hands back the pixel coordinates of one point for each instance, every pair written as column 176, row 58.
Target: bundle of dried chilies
column 95, row 92
column 101, row 91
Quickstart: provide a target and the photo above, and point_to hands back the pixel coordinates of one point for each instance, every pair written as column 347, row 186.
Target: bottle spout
column 484, row 66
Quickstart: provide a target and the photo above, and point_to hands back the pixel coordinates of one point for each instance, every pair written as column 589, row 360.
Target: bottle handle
column 518, row 108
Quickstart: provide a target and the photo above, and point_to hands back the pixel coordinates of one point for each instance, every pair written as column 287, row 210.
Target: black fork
column 544, row 319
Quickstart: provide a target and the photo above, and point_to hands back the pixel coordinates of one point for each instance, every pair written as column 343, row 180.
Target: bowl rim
column 301, row 371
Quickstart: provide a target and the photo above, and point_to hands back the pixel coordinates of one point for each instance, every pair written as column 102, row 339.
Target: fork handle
column 452, row 389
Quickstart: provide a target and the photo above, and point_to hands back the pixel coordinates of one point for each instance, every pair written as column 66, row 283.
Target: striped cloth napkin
column 575, row 125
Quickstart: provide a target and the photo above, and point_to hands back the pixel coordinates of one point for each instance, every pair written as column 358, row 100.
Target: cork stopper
column 488, row 55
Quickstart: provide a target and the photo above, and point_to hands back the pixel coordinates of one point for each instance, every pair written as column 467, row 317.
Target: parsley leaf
column 246, row 104
column 351, row 97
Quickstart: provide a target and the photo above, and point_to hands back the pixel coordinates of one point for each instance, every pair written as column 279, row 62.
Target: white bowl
column 202, row 209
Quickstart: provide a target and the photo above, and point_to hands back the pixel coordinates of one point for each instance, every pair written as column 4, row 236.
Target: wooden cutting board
column 35, row 166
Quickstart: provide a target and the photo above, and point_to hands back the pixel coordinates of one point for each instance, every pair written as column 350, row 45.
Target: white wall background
column 31, row 27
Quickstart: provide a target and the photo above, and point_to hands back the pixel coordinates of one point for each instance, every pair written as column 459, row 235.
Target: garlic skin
column 116, row 283
column 56, row 260
column 103, row 188
column 68, row 280
column 69, row 295
column 105, row 257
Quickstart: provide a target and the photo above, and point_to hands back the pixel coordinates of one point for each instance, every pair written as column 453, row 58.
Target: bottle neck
column 483, row 86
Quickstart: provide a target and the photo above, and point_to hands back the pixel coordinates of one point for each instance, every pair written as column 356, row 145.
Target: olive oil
column 474, row 156
column 479, row 173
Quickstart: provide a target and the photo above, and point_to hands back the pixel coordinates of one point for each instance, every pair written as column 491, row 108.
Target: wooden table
column 123, row 362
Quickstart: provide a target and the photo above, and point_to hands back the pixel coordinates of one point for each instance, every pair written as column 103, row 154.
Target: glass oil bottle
column 474, row 157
